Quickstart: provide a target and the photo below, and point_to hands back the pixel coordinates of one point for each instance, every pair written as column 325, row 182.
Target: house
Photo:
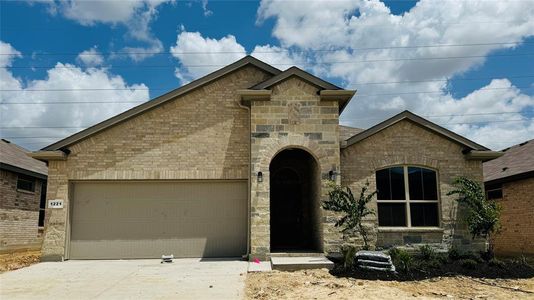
column 509, row 180
column 238, row 163
column 22, row 198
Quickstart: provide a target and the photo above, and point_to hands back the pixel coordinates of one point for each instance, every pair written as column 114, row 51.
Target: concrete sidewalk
column 127, row 279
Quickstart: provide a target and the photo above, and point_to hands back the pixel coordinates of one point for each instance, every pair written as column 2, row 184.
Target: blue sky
column 465, row 65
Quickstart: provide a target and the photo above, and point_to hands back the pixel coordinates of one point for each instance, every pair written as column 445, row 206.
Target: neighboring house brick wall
column 516, row 235
column 295, row 117
column 19, row 213
column 406, row 143
column 203, row 134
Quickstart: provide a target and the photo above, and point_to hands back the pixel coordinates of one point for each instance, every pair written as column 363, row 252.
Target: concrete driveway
column 127, row 279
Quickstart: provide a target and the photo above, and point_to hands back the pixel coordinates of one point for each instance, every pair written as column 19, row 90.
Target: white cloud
column 364, row 44
column 200, row 56
column 278, row 57
column 136, row 15
column 71, row 84
column 90, row 58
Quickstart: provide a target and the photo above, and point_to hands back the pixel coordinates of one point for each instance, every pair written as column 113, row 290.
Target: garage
column 119, row 220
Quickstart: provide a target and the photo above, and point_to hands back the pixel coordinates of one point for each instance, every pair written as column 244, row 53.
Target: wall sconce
column 260, row 177
column 332, row 175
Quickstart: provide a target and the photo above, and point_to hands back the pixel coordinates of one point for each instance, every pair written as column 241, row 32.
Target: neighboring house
column 22, row 198
column 238, row 163
column 509, row 180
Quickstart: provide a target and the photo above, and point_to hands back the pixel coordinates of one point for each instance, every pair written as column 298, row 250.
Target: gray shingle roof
column 16, row 156
column 518, row 159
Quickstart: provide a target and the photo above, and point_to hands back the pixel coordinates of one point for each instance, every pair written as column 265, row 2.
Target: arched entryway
column 294, row 202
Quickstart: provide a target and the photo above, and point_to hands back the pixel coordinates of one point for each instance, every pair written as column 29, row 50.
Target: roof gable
column 407, row 115
column 291, row 72
column 247, row 60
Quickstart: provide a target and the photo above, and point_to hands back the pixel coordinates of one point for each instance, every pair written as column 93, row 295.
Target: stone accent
column 406, row 143
column 296, row 116
column 516, row 236
column 19, row 214
column 203, row 134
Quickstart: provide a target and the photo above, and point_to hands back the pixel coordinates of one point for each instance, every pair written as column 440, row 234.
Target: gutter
column 482, row 155
column 249, row 187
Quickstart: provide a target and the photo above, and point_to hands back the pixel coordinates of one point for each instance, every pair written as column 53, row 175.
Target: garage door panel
column 148, row 219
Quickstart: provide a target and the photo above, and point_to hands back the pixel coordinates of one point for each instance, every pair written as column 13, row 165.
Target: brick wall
column 203, row 134
column 19, row 213
column 295, row 117
column 516, row 236
column 406, row 143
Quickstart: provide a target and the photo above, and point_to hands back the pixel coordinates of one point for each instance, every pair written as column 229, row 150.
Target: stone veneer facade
column 206, row 134
column 406, row 143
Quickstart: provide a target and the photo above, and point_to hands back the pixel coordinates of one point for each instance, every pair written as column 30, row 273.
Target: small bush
column 468, row 263
column 427, row 252
column 496, row 263
column 486, row 255
column 403, row 260
column 454, row 254
column 394, row 253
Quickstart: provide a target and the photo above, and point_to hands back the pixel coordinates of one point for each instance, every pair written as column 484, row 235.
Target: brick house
column 509, row 180
column 238, row 163
column 22, row 198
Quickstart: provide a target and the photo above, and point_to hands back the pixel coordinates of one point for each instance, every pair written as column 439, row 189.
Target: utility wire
column 357, row 95
column 267, row 52
column 282, row 64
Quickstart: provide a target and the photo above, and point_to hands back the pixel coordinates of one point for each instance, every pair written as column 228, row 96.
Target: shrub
column 483, row 215
column 454, row 254
column 427, row 252
column 402, row 260
column 496, row 263
column 342, row 200
column 468, row 263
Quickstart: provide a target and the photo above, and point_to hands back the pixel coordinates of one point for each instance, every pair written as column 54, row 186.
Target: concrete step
column 297, row 254
column 288, row 263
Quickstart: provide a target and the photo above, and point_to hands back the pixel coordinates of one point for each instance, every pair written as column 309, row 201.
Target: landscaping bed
column 17, row 260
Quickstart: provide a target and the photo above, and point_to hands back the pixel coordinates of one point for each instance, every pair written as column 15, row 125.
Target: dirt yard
column 319, row 284
column 13, row 261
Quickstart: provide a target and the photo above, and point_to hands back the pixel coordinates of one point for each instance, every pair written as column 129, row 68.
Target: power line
column 268, row 52
column 355, row 83
column 357, row 95
column 282, row 64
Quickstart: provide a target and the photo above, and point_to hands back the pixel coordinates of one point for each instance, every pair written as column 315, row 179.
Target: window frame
column 28, row 179
column 407, row 199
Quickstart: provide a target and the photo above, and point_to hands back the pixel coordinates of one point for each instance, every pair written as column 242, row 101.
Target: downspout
column 249, row 187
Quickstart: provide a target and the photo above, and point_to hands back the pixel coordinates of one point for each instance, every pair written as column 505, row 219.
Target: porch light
column 260, row 177
column 332, row 175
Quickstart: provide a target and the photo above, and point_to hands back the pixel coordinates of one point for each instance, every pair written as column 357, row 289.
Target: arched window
column 407, row 197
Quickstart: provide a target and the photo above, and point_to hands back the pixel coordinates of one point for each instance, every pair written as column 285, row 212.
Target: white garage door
column 115, row 220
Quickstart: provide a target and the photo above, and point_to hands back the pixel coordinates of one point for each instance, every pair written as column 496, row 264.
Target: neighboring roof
column 15, row 158
column 517, row 160
column 346, row 132
column 248, row 60
column 406, row 115
column 294, row 71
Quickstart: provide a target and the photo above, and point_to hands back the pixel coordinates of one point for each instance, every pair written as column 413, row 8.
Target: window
column 407, row 197
column 42, row 205
column 494, row 192
column 26, row 183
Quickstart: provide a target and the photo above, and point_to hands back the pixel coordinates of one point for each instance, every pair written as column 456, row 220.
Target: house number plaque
column 56, row 203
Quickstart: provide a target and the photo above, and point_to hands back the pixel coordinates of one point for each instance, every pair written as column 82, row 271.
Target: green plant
column 394, row 253
column 427, row 252
column 483, row 215
column 468, row 263
column 404, row 261
column 496, row 263
column 454, row 254
column 342, row 200
column 349, row 253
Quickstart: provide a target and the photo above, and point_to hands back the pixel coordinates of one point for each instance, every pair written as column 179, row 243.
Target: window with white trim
column 407, row 197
